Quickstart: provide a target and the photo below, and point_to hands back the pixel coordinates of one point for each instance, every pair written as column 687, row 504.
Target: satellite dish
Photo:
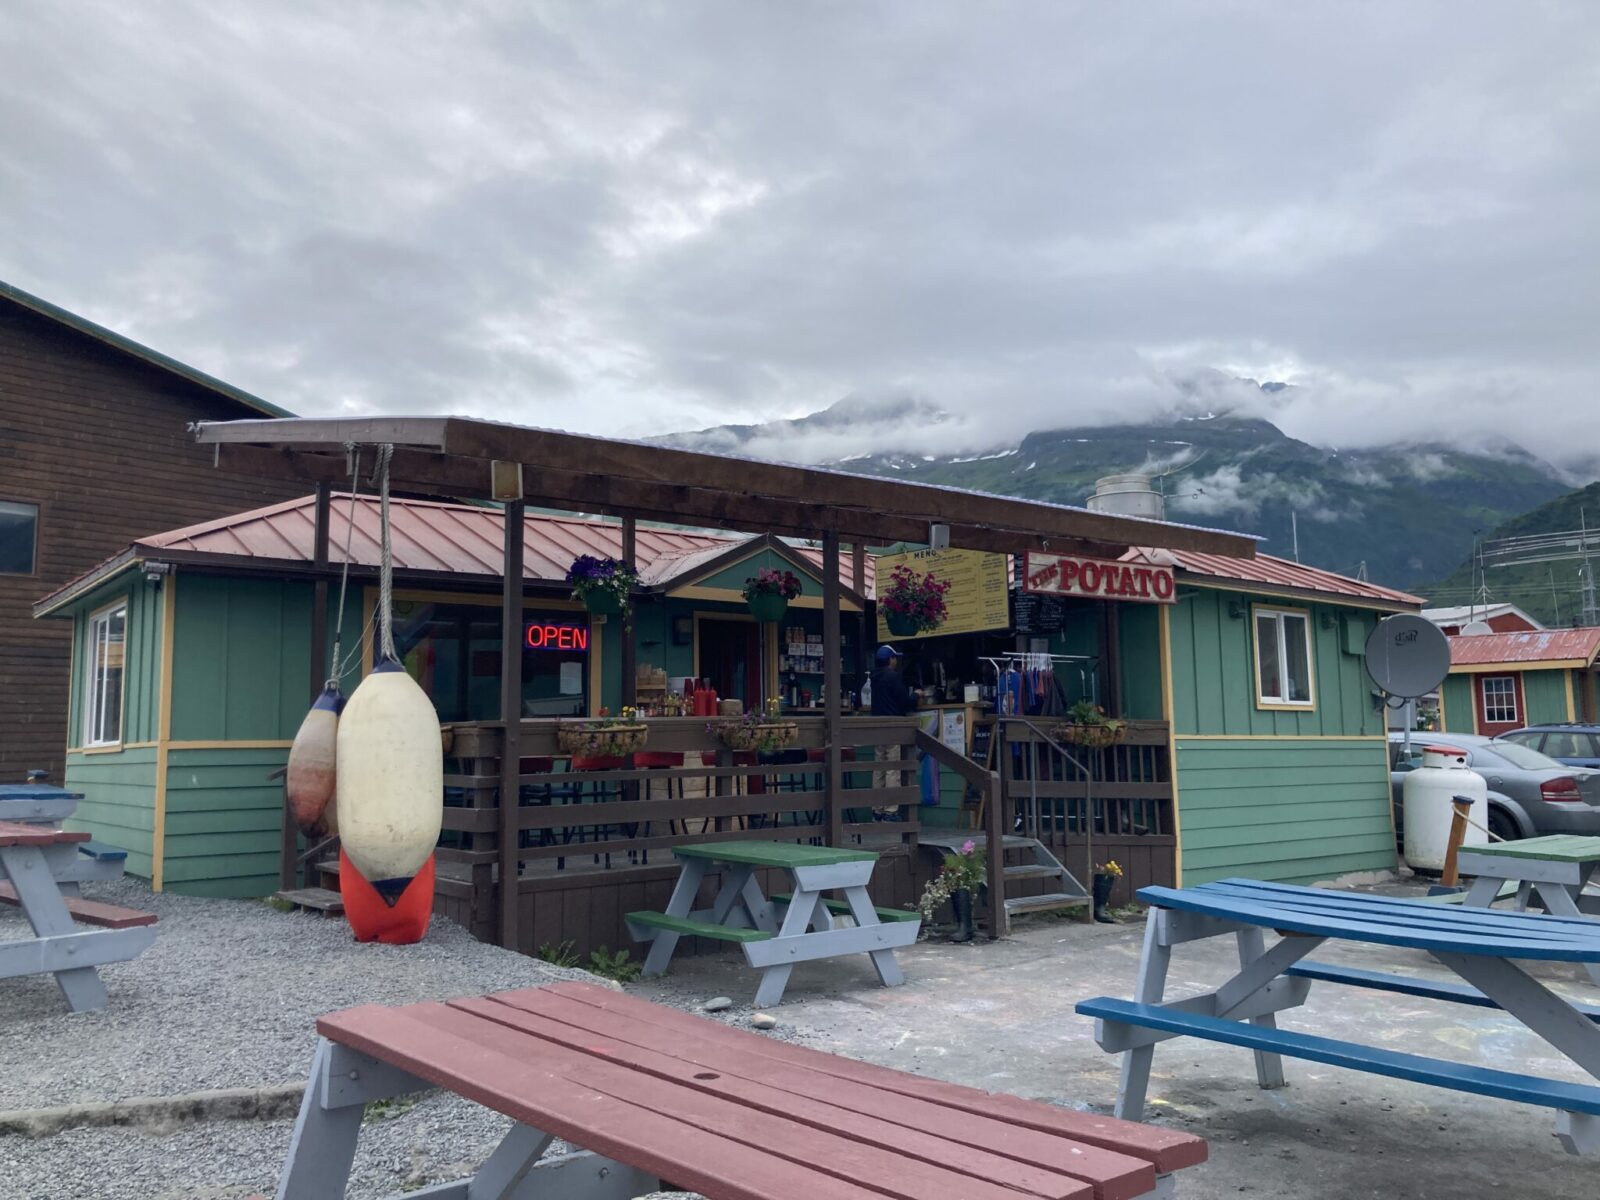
column 1476, row 629
column 1407, row 655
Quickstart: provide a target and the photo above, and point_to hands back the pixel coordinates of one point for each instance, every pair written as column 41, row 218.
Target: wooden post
column 290, row 851
column 1462, row 810
column 630, row 665
column 858, row 580
column 832, row 680
column 994, row 828
column 511, row 716
column 1111, row 633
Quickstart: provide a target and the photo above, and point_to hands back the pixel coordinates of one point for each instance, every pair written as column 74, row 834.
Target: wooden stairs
column 1026, row 859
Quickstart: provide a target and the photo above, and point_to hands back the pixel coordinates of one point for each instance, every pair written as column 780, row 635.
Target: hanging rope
column 336, row 666
column 386, row 561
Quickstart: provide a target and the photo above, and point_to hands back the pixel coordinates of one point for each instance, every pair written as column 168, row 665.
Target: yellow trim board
column 158, row 836
column 110, row 749
column 1511, row 668
column 1572, row 707
column 696, row 591
column 1169, row 711
column 225, row 744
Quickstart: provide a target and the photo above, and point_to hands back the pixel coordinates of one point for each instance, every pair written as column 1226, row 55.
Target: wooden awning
column 452, row 456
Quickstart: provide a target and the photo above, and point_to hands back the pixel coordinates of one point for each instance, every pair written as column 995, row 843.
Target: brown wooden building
column 94, row 452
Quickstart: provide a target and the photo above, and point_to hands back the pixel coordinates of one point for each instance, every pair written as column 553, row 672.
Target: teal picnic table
column 1555, row 868
column 743, row 914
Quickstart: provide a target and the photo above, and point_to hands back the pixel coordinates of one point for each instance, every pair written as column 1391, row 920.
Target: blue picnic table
column 1476, row 944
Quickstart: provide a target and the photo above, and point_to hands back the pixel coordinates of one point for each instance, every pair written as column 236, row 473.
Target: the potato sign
column 1071, row 575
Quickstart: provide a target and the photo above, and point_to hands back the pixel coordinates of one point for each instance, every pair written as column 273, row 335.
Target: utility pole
column 1294, row 527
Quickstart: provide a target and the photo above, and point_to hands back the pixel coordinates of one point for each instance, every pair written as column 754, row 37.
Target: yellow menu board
column 978, row 598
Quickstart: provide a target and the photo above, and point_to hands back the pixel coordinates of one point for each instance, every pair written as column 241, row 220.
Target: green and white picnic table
column 742, row 913
column 1554, row 868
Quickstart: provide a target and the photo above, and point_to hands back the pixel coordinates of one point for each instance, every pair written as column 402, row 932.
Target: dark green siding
column 1545, row 693
column 1213, row 666
column 1141, row 662
column 1291, row 809
column 733, row 577
column 119, row 801
column 224, row 821
column 241, row 658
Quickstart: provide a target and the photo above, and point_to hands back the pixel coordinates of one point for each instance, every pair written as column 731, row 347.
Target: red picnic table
column 659, row 1099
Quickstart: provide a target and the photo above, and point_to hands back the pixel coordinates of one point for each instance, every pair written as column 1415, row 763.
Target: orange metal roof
column 428, row 535
column 1267, row 571
column 1543, row 645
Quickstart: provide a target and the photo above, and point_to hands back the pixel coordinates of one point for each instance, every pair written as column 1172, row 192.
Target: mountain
column 1550, row 591
column 1408, row 512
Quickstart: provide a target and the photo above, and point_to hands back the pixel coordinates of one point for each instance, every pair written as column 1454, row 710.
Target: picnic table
column 1555, row 868
column 40, row 868
column 742, row 913
column 656, row 1099
column 1478, row 945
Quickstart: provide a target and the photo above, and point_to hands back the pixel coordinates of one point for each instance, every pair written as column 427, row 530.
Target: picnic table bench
column 741, row 913
column 655, row 1099
column 41, row 866
column 1479, row 945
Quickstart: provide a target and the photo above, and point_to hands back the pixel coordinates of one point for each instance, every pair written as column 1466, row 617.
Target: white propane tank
column 390, row 778
column 1428, row 812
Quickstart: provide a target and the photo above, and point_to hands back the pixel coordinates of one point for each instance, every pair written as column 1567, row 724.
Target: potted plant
column 768, row 593
column 1105, row 878
column 1087, row 725
column 766, row 733
column 605, row 736
column 964, row 871
column 602, row 584
column 913, row 603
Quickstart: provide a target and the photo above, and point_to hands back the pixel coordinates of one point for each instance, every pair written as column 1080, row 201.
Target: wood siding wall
column 98, row 440
column 119, row 801
column 1541, row 695
column 224, row 821
column 1288, row 809
column 1213, row 671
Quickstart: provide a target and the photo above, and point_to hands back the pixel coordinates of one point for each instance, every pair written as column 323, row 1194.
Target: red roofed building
column 1503, row 681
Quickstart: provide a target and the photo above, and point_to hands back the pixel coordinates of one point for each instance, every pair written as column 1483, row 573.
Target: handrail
column 963, row 766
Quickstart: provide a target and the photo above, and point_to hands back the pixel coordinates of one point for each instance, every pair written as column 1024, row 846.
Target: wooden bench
column 841, row 908
column 90, row 912
column 692, row 928
column 662, row 1100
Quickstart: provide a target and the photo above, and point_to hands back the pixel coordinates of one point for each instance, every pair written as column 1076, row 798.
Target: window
column 19, row 536
column 1500, row 700
column 1283, row 657
column 102, row 712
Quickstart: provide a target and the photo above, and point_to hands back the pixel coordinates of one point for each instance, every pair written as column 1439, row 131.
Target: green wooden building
column 1502, row 681
column 192, row 669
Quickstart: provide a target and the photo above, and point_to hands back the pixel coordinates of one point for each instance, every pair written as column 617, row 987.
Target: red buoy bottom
column 374, row 919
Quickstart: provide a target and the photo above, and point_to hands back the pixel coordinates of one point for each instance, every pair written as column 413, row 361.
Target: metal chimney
column 1128, row 496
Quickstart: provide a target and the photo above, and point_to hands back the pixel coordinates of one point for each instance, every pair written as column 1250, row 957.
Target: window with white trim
column 1283, row 657
column 1500, row 700
column 102, row 708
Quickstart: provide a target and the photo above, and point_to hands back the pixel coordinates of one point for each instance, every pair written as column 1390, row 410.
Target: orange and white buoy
column 310, row 780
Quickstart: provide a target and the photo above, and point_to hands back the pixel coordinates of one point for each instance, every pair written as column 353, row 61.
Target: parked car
column 1530, row 794
column 1574, row 744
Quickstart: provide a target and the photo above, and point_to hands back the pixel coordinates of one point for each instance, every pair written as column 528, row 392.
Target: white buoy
column 310, row 780
column 390, row 775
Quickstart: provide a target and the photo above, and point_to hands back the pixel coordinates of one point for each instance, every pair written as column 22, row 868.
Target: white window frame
column 1281, row 701
column 1504, row 703
column 95, row 699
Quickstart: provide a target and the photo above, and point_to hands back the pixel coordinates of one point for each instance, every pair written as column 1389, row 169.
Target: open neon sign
column 545, row 635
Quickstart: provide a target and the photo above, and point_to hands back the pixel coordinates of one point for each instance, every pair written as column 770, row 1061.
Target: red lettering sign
column 542, row 635
column 1071, row 575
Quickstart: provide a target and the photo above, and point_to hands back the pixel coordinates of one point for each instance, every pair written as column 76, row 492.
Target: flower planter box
column 1092, row 737
column 601, row 741
column 603, row 604
column 765, row 736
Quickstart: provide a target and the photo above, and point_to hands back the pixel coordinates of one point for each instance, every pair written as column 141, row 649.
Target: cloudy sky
column 638, row 218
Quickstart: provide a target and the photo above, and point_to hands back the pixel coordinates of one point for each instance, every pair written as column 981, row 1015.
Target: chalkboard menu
column 1034, row 612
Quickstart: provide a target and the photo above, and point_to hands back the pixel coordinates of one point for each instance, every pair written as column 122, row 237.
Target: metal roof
column 427, row 535
column 128, row 346
column 1541, row 646
column 1267, row 571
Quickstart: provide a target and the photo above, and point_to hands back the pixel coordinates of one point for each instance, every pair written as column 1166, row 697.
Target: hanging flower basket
column 753, row 732
column 601, row 739
column 1093, row 737
column 768, row 593
column 902, row 625
column 602, row 585
column 767, row 607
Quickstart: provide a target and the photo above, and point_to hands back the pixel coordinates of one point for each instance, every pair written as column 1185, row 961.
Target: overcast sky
column 648, row 217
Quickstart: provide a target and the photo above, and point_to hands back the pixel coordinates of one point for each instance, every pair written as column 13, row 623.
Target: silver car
column 1530, row 794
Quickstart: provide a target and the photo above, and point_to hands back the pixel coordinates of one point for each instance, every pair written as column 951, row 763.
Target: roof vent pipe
column 1128, row 496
